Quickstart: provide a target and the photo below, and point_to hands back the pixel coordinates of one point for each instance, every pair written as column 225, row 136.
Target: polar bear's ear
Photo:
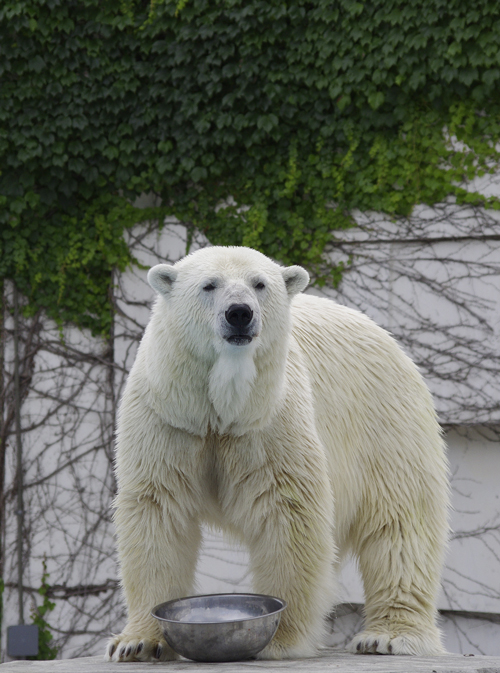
column 161, row 278
column 296, row 279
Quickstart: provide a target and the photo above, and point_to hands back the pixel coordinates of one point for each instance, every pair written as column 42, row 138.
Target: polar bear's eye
column 209, row 287
column 259, row 286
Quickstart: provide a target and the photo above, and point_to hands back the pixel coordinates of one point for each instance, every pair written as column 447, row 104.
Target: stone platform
column 331, row 661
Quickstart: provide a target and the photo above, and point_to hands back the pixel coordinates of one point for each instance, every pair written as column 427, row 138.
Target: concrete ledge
column 331, row 661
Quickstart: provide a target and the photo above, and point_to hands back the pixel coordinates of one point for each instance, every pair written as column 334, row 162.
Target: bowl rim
column 284, row 605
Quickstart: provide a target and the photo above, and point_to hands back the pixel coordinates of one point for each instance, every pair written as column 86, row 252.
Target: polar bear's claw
column 419, row 643
column 136, row 649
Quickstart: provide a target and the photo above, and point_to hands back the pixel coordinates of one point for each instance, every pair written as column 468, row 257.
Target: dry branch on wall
column 429, row 279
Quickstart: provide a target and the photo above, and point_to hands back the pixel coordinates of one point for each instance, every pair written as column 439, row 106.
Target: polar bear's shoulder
column 313, row 313
column 309, row 304
column 326, row 330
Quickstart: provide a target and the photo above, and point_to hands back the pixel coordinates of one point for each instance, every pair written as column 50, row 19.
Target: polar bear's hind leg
column 400, row 561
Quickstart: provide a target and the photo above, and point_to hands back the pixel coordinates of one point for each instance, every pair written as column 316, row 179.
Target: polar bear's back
column 374, row 413
column 351, row 359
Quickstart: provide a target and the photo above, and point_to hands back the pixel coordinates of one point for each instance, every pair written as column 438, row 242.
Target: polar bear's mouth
column 239, row 339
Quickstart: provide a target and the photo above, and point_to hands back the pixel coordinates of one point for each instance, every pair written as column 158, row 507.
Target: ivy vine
column 259, row 122
column 46, row 648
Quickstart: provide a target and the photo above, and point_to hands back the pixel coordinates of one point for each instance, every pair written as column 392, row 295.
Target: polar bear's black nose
column 239, row 315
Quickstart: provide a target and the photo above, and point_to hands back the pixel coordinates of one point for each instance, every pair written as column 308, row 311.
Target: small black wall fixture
column 22, row 640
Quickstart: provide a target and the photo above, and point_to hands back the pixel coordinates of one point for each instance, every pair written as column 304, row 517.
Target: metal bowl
column 219, row 627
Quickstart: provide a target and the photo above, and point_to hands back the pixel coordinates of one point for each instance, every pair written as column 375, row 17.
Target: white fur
column 258, row 439
column 230, row 382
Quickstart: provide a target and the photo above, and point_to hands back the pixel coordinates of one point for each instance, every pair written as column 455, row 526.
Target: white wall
column 434, row 281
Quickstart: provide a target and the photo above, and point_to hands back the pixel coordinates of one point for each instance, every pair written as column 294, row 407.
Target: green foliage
column 258, row 122
column 46, row 649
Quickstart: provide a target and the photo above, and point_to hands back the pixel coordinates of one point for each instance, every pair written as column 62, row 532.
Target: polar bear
column 294, row 424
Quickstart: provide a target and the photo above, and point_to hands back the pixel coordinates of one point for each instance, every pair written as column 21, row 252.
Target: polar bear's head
column 226, row 312
column 228, row 298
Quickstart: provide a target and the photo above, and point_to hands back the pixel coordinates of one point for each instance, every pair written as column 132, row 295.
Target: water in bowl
column 211, row 615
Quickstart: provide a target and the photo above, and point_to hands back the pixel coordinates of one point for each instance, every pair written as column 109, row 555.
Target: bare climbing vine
column 431, row 279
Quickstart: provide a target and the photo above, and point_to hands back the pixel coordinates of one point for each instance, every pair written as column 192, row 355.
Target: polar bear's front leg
column 292, row 557
column 157, row 560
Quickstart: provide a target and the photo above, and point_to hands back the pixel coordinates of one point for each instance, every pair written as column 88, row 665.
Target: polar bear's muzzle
column 239, row 325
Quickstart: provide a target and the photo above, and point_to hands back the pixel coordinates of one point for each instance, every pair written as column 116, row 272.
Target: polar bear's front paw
column 272, row 651
column 128, row 648
column 275, row 650
column 426, row 643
